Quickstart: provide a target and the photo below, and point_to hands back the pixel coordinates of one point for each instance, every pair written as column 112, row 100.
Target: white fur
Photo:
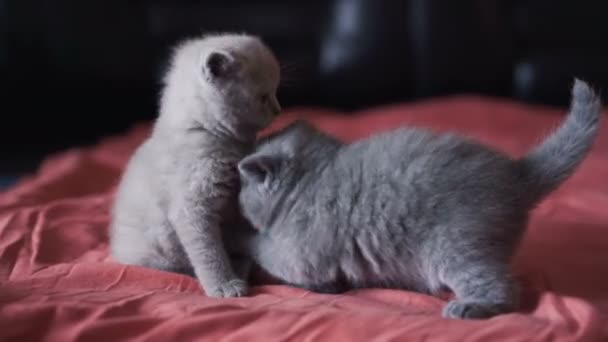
column 177, row 198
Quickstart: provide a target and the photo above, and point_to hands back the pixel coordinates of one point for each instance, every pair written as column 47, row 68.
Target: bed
column 57, row 282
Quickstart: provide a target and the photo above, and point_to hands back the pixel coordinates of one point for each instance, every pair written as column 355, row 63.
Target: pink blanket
column 58, row 284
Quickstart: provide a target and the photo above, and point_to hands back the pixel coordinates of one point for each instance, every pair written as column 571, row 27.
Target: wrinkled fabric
column 57, row 282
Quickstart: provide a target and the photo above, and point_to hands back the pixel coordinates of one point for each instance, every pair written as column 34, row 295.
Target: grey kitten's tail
column 557, row 157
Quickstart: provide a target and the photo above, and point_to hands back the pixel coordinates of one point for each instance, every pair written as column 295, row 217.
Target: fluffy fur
column 406, row 209
column 177, row 200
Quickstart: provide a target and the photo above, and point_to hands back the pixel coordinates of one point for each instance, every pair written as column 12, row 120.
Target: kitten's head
column 276, row 167
column 234, row 76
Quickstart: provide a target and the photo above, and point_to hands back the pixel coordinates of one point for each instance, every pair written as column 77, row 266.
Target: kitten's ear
column 220, row 64
column 258, row 168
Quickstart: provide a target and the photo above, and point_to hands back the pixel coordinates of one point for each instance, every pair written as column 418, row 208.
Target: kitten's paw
column 473, row 310
column 232, row 288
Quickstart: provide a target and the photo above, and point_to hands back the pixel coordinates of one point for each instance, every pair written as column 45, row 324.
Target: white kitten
column 177, row 198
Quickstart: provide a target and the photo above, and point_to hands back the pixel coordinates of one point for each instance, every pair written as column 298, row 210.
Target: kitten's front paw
column 473, row 310
column 232, row 288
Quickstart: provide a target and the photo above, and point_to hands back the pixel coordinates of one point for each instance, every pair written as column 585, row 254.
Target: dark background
column 72, row 71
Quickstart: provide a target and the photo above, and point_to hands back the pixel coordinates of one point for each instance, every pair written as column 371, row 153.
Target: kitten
column 406, row 209
column 177, row 199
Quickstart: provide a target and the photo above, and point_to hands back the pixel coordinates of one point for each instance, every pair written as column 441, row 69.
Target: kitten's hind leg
column 131, row 245
column 483, row 286
column 162, row 264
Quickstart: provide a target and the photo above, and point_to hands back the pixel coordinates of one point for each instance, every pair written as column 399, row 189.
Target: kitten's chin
column 262, row 124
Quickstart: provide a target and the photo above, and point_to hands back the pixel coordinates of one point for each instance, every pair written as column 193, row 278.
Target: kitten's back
column 432, row 168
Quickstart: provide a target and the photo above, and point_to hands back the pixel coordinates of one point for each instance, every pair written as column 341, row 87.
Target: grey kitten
column 177, row 200
column 405, row 209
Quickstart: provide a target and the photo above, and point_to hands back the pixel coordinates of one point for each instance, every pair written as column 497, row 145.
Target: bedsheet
column 57, row 282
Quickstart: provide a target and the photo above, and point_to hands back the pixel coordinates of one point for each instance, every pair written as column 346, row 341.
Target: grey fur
column 177, row 199
column 406, row 209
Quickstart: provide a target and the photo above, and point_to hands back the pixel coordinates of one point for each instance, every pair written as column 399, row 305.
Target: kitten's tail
column 549, row 164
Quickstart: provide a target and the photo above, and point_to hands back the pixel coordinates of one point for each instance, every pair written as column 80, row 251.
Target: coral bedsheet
column 57, row 282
